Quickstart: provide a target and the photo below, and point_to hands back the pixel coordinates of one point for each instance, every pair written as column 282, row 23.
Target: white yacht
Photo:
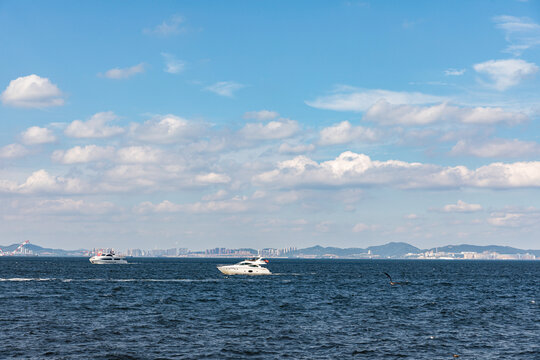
column 109, row 258
column 246, row 267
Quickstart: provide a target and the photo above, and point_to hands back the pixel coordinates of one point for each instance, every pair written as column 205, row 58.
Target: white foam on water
column 27, row 279
column 110, row 280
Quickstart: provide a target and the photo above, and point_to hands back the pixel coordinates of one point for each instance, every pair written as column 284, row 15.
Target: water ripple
column 310, row 309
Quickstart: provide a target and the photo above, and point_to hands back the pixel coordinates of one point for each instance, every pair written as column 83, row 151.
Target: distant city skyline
column 242, row 124
column 387, row 251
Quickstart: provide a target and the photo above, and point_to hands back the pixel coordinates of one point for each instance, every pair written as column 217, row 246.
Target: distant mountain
column 393, row 249
column 38, row 250
column 319, row 251
column 401, row 249
column 481, row 249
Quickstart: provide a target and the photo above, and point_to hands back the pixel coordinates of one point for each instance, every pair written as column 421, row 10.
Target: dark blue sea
column 67, row 308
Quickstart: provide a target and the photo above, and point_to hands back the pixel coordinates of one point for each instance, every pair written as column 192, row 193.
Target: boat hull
column 104, row 262
column 242, row 270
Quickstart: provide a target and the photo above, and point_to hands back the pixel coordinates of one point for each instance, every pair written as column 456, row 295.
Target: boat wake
column 109, row 280
column 28, row 279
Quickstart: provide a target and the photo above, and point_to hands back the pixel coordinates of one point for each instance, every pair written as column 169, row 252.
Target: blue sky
column 269, row 124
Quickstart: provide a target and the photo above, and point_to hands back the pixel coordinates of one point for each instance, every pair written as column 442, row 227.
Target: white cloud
column 219, row 195
column 163, row 129
column 167, row 27
column 225, row 88
column 353, row 99
column 506, row 220
column 79, row 155
column 70, row 207
column 501, row 148
column 12, row 151
column 520, row 32
column 164, row 207
column 263, row 115
column 127, row 177
column 295, row 149
column 454, row 72
column 489, row 115
column 344, row 132
column 279, row 129
column 32, row 91
column 506, row 73
column 125, row 73
column 95, row 127
column 515, row 218
column 385, row 113
column 172, row 64
column 42, row 182
column 234, row 205
column 139, row 154
column 213, row 178
column 36, row 135
column 462, row 206
column 361, row 227
column 351, row 169
column 501, row 175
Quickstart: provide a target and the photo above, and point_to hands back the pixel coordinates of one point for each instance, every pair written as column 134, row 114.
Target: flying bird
column 395, row 282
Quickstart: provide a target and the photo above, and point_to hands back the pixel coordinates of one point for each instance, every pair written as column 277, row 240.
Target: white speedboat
column 246, row 267
column 109, row 258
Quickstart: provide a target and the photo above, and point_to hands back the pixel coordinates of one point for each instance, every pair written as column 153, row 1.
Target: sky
column 201, row 124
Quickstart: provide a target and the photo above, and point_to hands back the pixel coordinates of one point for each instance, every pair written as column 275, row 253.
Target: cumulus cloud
column 225, row 88
column 172, row 64
column 124, row 73
column 352, row 169
column 139, row 154
column 263, row 115
column 79, row 155
column 462, row 206
column 70, row 207
column 506, row 73
column 497, row 148
column 95, row 127
column 352, row 99
column 520, row 32
column 163, row 129
column 344, row 132
column 167, row 27
column 42, row 182
column 213, row 178
column 32, row 91
column 515, row 218
column 12, row 151
column 279, row 129
column 506, row 219
column 361, row 227
column 237, row 204
column 36, row 135
column 390, row 114
column 127, row 177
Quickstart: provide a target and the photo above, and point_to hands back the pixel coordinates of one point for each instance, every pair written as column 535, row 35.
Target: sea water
column 67, row 308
